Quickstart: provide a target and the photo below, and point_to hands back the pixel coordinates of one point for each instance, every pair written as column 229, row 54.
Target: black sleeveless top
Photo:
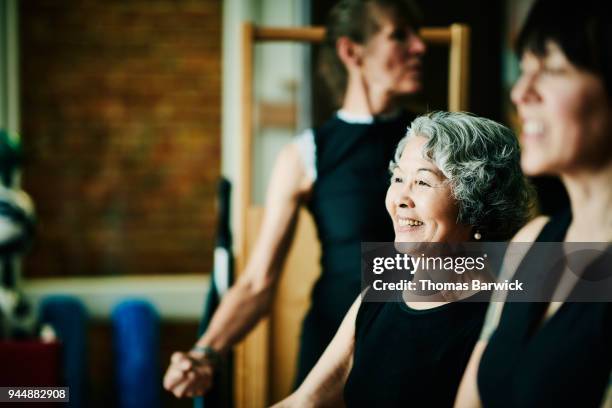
column 348, row 204
column 406, row 357
column 348, row 207
column 565, row 362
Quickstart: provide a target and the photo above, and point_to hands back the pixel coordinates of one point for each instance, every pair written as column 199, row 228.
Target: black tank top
column 348, row 204
column 565, row 362
column 406, row 357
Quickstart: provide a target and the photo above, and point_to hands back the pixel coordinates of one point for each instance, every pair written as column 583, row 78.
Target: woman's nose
column 405, row 200
column 523, row 90
column 416, row 45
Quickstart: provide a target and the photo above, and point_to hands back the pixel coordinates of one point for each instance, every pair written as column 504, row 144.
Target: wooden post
column 251, row 356
column 458, row 73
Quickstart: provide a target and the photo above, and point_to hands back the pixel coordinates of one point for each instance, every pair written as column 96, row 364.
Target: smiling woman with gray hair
column 480, row 158
column 456, row 177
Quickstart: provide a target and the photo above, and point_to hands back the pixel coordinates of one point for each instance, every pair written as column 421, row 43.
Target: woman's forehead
column 414, row 149
column 413, row 157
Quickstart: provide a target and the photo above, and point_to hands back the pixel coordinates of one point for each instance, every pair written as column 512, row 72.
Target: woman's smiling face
column 565, row 115
column 391, row 59
column 420, row 200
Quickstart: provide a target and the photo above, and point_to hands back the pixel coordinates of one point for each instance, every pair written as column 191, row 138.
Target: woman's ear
column 349, row 52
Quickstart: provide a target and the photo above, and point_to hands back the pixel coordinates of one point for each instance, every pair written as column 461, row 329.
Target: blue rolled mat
column 136, row 354
column 68, row 317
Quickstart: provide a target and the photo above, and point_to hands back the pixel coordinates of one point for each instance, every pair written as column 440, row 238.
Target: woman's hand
column 189, row 374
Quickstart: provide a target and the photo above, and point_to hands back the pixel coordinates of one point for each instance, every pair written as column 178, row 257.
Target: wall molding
column 176, row 297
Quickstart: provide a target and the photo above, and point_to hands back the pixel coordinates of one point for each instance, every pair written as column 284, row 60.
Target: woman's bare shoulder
column 290, row 171
column 531, row 230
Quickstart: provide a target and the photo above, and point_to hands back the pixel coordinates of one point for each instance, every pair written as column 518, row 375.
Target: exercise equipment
column 69, row 319
column 17, row 320
column 136, row 354
column 222, row 277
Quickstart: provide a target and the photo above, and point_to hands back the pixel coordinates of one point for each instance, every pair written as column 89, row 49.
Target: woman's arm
column 607, row 401
column 324, row 384
column 467, row 395
column 250, row 297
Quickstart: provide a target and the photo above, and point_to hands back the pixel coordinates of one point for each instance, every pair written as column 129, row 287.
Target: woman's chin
column 533, row 165
column 410, row 87
column 410, row 237
column 416, row 248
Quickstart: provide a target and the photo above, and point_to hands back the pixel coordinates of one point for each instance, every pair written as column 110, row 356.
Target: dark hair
column 358, row 20
column 583, row 31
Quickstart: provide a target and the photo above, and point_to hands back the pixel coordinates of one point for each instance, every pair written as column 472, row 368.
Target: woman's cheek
column 389, row 199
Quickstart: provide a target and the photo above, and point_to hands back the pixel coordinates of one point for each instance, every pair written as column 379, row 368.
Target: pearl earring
column 477, row 235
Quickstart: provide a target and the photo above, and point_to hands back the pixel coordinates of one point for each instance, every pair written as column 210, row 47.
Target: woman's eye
column 396, row 179
column 422, row 183
column 399, row 34
column 552, row 72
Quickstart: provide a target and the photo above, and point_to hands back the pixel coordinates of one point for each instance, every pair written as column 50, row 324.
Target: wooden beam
column 251, row 356
column 432, row 35
column 458, row 74
column 301, row 34
column 244, row 186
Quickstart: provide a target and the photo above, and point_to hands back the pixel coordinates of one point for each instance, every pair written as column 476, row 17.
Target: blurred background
column 124, row 115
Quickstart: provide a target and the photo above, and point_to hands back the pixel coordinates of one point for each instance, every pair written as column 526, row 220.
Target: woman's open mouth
column 406, row 224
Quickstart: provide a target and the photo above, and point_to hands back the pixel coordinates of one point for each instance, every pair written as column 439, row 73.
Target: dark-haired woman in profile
column 372, row 57
column 557, row 354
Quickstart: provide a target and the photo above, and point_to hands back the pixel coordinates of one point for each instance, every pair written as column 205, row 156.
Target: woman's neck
column 591, row 201
column 361, row 101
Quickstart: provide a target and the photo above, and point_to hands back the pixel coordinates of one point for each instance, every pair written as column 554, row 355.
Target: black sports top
column 348, row 203
column 406, row 357
column 348, row 207
column 563, row 362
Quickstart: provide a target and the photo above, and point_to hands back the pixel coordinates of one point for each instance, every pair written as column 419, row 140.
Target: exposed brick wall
column 121, row 132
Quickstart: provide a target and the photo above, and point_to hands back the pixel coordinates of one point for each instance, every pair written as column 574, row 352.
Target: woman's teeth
column 533, row 127
column 404, row 222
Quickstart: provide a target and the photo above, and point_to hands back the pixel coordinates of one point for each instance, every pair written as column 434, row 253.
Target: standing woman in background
column 371, row 57
column 557, row 354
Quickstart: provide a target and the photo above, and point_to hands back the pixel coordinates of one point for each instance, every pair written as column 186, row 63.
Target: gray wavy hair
column 481, row 160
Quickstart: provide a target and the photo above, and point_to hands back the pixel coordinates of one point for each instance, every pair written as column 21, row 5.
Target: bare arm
column 607, row 401
column 467, row 395
column 250, row 297
column 324, row 384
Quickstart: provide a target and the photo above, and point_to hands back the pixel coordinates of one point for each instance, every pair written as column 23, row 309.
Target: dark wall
column 485, row 19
